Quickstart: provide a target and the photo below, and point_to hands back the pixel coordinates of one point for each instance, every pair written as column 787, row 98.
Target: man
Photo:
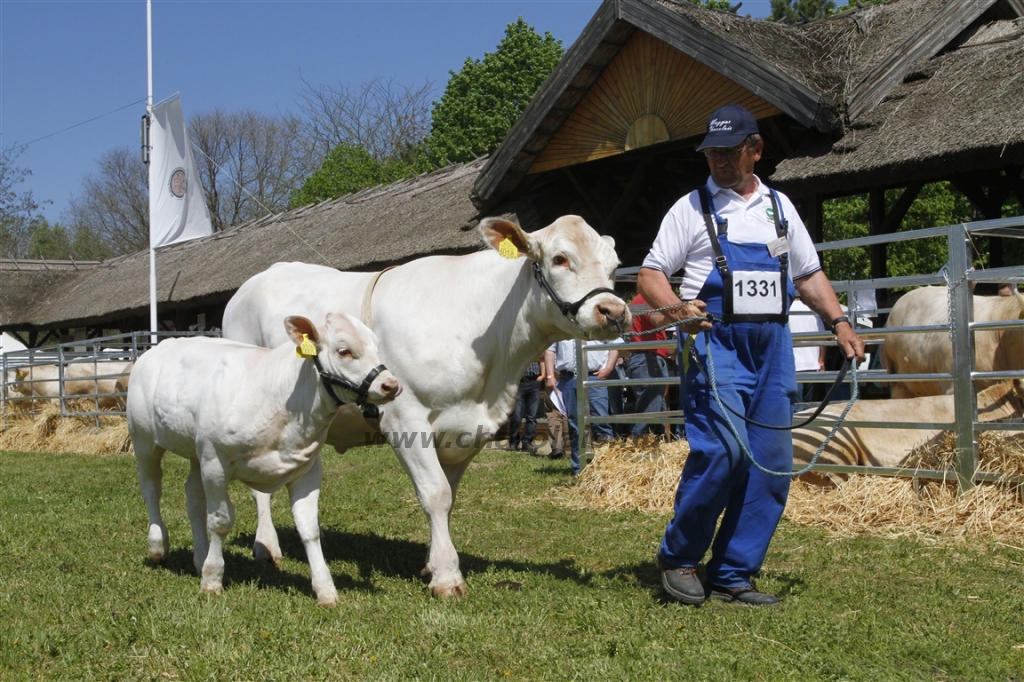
column 648, row 364
column 740, row 260
column 806, row 358
column 525, row 411
column 562, row 357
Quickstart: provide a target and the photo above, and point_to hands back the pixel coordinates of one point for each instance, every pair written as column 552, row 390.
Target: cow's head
column 575, row 266
column 345, row 351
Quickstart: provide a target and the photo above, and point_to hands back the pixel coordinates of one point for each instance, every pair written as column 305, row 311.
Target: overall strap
column 781, row 229
column 709, row 222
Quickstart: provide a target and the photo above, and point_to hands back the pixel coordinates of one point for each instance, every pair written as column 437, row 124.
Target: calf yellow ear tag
column 507, row 249
column 307, row 349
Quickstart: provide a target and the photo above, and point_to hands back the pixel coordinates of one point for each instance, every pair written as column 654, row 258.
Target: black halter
column 361, row 391
column 568, row 309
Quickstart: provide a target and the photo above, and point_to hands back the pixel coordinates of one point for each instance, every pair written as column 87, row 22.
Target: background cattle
column 995, row 350
column 82, row 378
column 240, row 412
column 882, row 447
column 458, row 331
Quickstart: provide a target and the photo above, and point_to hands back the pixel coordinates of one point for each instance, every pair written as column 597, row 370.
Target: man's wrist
column 838, row 321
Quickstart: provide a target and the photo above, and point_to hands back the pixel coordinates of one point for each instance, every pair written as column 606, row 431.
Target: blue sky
column 65, row 62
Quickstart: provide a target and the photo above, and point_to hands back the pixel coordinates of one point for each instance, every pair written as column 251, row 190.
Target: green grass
column 78, row 599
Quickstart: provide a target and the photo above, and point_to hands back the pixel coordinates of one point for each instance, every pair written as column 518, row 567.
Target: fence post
column 965, row 398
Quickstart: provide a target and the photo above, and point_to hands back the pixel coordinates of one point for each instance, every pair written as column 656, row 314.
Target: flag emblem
column 178, row 183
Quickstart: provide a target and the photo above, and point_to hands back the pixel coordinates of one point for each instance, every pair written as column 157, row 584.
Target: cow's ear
column 21, row 374
column 496, row 230
column 297, row 326
column 608, row 240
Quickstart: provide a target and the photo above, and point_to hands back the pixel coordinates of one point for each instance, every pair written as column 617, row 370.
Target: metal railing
column 78, row 374
column 957, row 276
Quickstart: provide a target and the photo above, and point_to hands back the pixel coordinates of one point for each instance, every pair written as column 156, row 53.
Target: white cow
column 459, row 331
column 994, row 350
column 83, row 378
column 245, row 413
column 882, row 447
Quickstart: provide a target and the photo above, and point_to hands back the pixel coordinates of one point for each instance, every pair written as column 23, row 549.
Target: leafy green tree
column 721, row 5
column 18, row 208
column 349, row 168
column 56, row 242
column 847, row 218
column 483, row 100
column 795, row 11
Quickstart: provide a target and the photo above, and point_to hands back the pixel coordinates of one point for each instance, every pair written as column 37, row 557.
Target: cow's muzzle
column 570, row 310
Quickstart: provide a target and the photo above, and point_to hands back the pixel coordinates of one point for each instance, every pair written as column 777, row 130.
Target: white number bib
column 757, row 293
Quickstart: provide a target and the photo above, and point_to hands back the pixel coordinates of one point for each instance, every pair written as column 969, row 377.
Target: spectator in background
column 807, row 358
column 525, row 411
column 1007, row 289
column 648, row 364
column 562, row 357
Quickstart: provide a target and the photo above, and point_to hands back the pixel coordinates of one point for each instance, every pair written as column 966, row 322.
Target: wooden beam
column 585, row 196
column 892, row 221
column 625, row 201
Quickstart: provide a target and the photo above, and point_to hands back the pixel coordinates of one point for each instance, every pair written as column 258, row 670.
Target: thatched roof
column 822, row 75
column 363, row 231
column 956, row 112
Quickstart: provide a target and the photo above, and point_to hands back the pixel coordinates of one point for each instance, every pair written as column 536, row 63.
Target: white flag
column 177, row 208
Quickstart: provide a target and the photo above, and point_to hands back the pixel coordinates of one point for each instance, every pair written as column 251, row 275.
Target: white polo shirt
column 683, row 242
column 565, row 355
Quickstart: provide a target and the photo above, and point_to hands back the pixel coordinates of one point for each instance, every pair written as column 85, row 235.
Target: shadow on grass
column 398, row 558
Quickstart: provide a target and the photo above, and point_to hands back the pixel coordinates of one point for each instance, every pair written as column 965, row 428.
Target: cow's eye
column 344, row 352
column 560, row 260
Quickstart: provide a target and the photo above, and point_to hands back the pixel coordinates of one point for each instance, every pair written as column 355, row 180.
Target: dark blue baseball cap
column 728, row 126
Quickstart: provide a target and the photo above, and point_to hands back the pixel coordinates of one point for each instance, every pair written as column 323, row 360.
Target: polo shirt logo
column 769, row 213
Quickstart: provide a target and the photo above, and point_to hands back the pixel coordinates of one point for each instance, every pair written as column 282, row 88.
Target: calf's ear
column 496, row 231
column 296, row 326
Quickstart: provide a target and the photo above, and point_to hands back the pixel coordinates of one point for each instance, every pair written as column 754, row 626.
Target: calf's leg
column 266, row 548
column 195, row 501
column 149, row 463
column 220, row 517
column 304, row 493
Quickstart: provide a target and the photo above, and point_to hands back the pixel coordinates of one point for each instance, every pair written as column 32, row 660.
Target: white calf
column 245, row 413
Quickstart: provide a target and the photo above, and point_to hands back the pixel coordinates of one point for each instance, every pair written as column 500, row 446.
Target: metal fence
column 81, row 375
column 957, row 276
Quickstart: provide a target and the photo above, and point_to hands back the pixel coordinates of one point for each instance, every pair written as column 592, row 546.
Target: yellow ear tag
column 507, row 249
column 307, row 349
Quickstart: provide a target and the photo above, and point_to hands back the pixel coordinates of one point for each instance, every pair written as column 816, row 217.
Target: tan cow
column 865, row 446
column 42, row 382
column 994, row 350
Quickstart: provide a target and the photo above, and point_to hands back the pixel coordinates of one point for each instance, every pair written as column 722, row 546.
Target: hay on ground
column 642, row 476
column 47, row 431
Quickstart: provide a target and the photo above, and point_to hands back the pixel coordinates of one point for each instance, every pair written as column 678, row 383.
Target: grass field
column 78, row 599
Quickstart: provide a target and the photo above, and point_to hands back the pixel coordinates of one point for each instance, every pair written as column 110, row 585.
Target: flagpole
column 149, row 113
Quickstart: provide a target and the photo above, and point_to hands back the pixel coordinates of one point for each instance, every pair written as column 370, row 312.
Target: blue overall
column 755, row 375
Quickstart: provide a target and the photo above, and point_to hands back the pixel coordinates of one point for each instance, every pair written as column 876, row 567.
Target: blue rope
column 732, row 427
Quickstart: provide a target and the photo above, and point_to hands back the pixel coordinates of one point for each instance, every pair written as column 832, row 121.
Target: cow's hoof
column 451, row 591
column 327, row 602
column 211, row 588
column 156, row 558
column 263, row 555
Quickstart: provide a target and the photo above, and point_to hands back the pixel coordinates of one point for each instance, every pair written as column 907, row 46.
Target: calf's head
column 346, row 351
column 575, row 266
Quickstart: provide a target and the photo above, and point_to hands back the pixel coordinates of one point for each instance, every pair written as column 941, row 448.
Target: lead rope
column 854, row 392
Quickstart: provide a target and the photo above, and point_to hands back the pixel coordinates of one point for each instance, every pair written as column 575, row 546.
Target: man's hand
column 695, row 308
column 851, row 344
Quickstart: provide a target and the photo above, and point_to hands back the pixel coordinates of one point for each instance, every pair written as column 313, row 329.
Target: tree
column 795, row 11
column 384, row 118
column 350, row 168
column 113, row 204
column 17, row 207
column 483, row 100
column 249, row 164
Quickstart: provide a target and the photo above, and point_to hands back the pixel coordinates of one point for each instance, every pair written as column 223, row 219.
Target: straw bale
column 642, row 476
column 47, row 431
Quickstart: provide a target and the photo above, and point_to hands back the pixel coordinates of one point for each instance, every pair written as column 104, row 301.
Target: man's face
column 732, row 167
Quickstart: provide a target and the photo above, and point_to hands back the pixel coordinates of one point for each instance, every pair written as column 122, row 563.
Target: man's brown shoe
column 745, row 595
column 681, row 583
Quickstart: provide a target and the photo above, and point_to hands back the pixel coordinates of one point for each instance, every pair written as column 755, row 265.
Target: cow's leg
column 304, row 493
column 454, row 472
column 149, row 463
column 266, row 548
column 220, row 517
column 195, row 501
column 435, row 496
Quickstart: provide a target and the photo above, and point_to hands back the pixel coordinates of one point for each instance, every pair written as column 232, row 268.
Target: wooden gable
column 650, row 93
